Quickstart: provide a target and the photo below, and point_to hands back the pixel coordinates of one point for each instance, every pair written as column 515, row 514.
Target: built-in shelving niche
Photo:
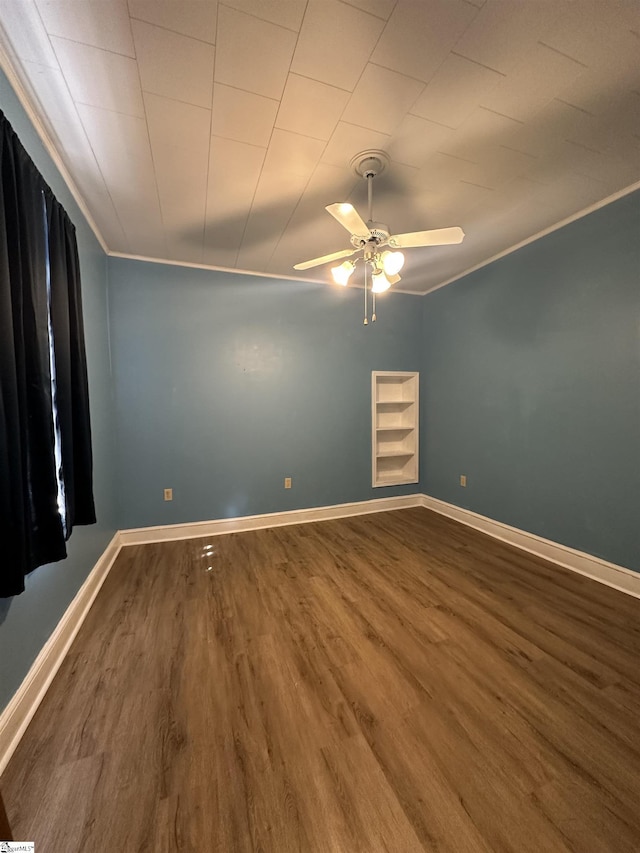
column 394, row 404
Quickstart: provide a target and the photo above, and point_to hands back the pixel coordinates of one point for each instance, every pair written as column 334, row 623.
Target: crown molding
column 25, row 101
column 567, row 221
column 211, row 267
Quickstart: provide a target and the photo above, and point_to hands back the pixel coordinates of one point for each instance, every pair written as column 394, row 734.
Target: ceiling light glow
column 341, row 274
column 392, row 262
column 379, row 281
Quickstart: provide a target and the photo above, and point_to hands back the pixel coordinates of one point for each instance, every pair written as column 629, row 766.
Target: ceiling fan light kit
column 380, row 282
column 392, row 262
column 368, row 238
column 341, row 274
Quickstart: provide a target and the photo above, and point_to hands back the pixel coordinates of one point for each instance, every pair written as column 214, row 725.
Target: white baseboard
column 196, row 529
column 18, row 714
column 610, row 574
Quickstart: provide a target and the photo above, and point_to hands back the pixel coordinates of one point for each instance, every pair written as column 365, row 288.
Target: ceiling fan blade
column 305, row 265
column 349, row 218
column 435, row 237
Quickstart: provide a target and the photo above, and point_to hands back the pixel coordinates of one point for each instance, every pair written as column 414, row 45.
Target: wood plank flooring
column 393, row 682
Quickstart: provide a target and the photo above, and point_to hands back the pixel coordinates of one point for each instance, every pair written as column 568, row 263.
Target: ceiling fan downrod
column 368, row 165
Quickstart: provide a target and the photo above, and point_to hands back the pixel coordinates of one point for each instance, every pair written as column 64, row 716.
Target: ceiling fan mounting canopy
column 370, row 163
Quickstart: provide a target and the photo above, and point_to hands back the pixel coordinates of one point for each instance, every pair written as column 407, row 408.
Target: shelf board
column 404, row 403
column 389, row 454
column 390, row 480
column 395, row 429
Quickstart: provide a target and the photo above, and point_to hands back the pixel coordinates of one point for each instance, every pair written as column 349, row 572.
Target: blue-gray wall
column 27, row 621
column 226, row 384
column 531, row 387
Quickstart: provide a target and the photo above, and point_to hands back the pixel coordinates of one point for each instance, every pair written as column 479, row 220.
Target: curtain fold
column 72, row 395
column 31, row 527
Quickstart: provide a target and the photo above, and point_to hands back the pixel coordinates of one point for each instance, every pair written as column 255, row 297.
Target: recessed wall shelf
column 394, row 436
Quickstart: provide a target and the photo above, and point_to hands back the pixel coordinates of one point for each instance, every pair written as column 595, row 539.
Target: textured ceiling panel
column 93, row 22
column 234, row 171
column 416, row 139
column 24, row 33
column 252, row 54
column 243, row 116
column 277, row 195
column 455, row 90
column 292, row 154
column 113, row 137
column 195, row 18
column 99, row 77
column 419, row 36
column 173, row 124
column 379, row 8
column 335, row 43
column 310, row 107
column 217, row 132
column 351, row 137
column 174, row 65
column 48, row 86
column 395, row 94
column 541, row 76
column 285, row 13
column 504, row 30
column 117, row 139
column 595, row 31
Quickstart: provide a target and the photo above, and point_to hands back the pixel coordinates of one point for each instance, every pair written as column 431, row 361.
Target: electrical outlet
column 463, row 479
column 168, row 494
column 287, row 482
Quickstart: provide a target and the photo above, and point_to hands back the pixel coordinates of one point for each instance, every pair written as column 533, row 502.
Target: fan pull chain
column 365, row 321
column 370, row 178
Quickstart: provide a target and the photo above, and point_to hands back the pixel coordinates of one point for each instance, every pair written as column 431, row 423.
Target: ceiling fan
column 370, row 238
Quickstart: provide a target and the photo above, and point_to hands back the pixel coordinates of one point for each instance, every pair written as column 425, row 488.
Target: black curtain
column 31, row 528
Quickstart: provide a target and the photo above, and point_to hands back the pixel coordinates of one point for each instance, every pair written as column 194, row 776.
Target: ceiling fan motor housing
column 377, row 236
column 378, row 231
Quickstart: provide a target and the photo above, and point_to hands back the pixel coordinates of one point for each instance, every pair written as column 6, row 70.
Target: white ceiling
column 216, row 132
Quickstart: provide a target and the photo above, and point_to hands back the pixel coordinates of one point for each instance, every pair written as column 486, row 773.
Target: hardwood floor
column 392, row 682
column 5, row 829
